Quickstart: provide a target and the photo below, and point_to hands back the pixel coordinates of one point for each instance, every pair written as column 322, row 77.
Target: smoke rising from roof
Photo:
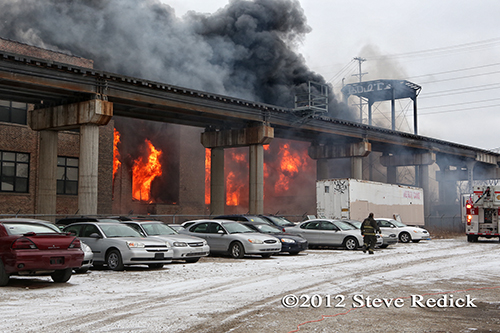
column 245, row 50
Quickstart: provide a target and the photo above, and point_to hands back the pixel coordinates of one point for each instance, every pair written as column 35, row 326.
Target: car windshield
column 357, row 224
column 344, row 225
column 14, row 228
column 119, row 230
column 281, row 221
column 398, row 224
column 158, row 229
column 236, row 228
column 267, row 229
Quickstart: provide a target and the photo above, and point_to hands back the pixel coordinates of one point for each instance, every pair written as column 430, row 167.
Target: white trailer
column 481, row 212
column 354, row 199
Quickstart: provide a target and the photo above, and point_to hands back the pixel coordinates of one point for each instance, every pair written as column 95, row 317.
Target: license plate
column 159, row 255
column 57, row 260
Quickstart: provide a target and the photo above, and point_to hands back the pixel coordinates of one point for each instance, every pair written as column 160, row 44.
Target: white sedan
column 326, row 232
column 404, row 233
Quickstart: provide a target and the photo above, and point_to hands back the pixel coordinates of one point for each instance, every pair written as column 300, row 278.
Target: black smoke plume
column 245, row 50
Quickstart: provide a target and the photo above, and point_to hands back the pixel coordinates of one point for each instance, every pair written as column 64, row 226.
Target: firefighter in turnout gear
column 369, row 228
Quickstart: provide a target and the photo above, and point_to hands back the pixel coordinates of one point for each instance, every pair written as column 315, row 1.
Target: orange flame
column 208, row 160
column 144, row 172
column 290, row 164
column 236, row 186
column 116, row 153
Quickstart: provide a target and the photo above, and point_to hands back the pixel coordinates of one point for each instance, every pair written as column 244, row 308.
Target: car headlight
column 255, row 241
column 132, row 244
column 205, row 243
column 180, row 244
column 287, row 240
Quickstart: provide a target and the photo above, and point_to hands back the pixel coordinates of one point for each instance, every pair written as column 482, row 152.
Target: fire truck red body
column 482, row 212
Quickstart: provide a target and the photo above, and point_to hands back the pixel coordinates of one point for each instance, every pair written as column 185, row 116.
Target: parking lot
column 220, row 294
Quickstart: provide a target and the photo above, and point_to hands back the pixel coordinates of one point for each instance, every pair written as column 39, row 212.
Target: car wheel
column 383, row 246
column 114, row 260
column 4, row 277
column 266, row 255
column 236, row 250
column 62, row 275
column 350, row 243
column 404, row 237
column 192, row 260
column 155, row 266
column 416, row 240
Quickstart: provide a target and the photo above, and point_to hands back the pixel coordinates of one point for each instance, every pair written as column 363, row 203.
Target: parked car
column 279, row 222
column 231, row 237
column 88, row 259
column 383, row 239
column 403, row 232
column 292, row 244
column 184, row 247
column 69, row 220
column 117, row 245
column 36, row 247
column 328, row 232
column 176, row 227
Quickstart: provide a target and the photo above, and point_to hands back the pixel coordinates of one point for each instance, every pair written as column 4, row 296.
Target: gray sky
column 450, row 48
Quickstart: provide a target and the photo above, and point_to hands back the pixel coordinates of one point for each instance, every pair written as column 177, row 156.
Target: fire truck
column 482, row 212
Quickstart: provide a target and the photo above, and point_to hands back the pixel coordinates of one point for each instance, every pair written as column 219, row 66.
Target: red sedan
column 35, row 247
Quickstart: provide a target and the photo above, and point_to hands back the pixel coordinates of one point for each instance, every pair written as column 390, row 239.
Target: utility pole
column 360, row 75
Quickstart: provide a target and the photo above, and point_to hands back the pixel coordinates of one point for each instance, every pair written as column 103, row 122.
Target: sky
column 449, row 48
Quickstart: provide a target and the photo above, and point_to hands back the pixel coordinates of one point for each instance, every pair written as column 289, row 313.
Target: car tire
column 350, row 243
column 404, row 237
column 192, row 260
column 236, row 250
column 62, row 275
column 4, row 277
column 266, row 255
column 383, row 246
column 155, row 266
column 114, row 260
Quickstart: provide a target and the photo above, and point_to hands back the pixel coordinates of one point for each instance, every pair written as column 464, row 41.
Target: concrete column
column 322, row 169
column 392, row 176
column 47, row 174
column 357, row 167
column 423, row 173
column 88, row 169
column 256, row 178
column 217, row 185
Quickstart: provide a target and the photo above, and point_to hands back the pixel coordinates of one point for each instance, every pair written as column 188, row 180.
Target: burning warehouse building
column 144, row 166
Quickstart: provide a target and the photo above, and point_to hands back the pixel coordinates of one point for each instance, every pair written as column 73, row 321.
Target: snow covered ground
column 220, row 294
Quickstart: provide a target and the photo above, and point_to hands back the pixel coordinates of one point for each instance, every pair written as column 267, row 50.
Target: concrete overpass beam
column 47, row 174
column 68, row 116
column 356, row 151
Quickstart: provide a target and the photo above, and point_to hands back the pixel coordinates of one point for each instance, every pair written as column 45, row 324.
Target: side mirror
column 95, row 235
column 221, row 232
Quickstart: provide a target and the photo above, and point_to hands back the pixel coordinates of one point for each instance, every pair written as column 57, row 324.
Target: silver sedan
column 327, row 232
column 184, row 247
column 116, row 245
column 233, row 238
